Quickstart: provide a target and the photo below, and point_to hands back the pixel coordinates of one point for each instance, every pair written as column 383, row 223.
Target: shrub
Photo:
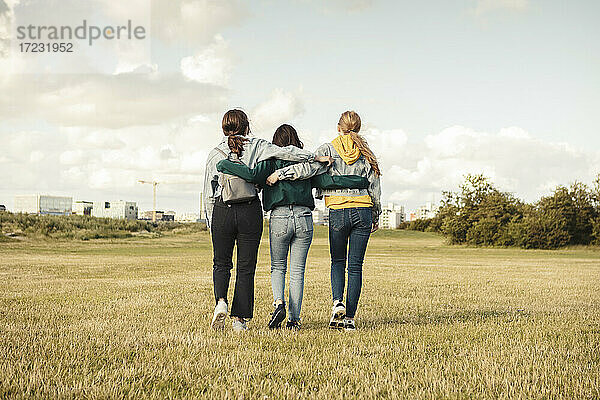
column 480, row 214
column 545, row 230
column 596, row 231
column 84, row 227
column 484, row 232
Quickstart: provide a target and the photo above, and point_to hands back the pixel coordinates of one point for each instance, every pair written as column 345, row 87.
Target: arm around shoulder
column 330, row 182
column 306, row 170
column 257, row 175
column 267, row 150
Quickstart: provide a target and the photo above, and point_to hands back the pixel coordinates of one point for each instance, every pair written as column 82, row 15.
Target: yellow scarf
column 346, row 148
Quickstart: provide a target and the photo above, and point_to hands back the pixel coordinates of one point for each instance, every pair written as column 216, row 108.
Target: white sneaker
column 238, row 326
column 338, row 313
column 218, row 320
column 349, row 325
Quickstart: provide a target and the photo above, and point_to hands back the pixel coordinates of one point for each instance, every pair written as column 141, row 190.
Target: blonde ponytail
column 363, row 146
column 350, row 124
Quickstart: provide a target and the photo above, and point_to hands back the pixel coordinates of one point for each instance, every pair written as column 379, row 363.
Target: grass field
column 130, row 318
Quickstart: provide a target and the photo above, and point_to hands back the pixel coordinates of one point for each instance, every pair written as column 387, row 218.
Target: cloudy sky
column 508, row 88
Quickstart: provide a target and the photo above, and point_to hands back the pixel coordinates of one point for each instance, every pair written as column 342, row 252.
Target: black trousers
column 240, row 224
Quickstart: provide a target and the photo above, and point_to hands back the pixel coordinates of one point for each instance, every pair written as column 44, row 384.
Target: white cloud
column 138, row 92
column 36, row 156
column 212, row 65
column 484, row 7
column 193, row 162
column 281, row 107
column 102, row 140
column 198, row 118
column 515, row 160
column 194, row 23
column 135, row 10
column 110, row 101
column 344, row 6
column 72, row 157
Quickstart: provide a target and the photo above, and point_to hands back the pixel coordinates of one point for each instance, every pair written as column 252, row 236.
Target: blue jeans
column 349, row 231
column 290, row 230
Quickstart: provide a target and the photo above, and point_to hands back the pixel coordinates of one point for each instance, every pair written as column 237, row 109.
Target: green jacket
column 288, row 192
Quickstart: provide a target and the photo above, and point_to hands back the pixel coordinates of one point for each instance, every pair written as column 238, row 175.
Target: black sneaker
column 277, row 316
column 293, row 325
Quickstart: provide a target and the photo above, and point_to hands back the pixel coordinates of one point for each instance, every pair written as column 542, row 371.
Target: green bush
column 479, row 214
column 596, row 231
column 84, row 227
column 545, row 230
column 484, row 232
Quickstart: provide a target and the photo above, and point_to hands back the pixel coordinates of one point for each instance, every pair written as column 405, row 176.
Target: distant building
column 187, row 217
column 426, row 211
column 42, row 204
column 169, row 216
column 115, row 209
column 2, row 207
column 320, row 216
column 391, row 216
column 147, row 215
column 160, row 215
column 82, row 207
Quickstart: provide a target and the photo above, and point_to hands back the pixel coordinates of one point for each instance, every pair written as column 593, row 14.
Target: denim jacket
column 339, row 167
column 255, row 150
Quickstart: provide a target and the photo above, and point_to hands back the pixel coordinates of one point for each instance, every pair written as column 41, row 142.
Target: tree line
column 480, row 214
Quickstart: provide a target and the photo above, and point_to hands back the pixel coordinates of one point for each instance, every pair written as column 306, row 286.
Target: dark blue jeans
column 349, row 231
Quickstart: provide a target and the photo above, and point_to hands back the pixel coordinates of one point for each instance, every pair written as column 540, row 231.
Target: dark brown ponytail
column 235, row 125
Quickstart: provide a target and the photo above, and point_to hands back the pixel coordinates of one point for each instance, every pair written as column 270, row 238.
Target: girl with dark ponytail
column 238, row 224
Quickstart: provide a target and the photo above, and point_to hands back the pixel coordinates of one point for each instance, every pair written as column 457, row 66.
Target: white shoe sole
column 218, row 321
column 337, row 319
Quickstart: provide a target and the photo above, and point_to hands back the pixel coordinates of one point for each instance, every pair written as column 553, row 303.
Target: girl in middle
column 290, row 224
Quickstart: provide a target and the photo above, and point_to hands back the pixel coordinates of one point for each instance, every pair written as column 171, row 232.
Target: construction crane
column 154, row 187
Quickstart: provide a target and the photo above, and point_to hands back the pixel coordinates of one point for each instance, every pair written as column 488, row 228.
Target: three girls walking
column 345, row 172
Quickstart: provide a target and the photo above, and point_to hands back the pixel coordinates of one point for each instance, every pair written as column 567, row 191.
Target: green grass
column 130, row 317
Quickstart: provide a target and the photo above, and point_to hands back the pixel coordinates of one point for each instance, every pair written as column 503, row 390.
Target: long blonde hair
column 349, row 123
